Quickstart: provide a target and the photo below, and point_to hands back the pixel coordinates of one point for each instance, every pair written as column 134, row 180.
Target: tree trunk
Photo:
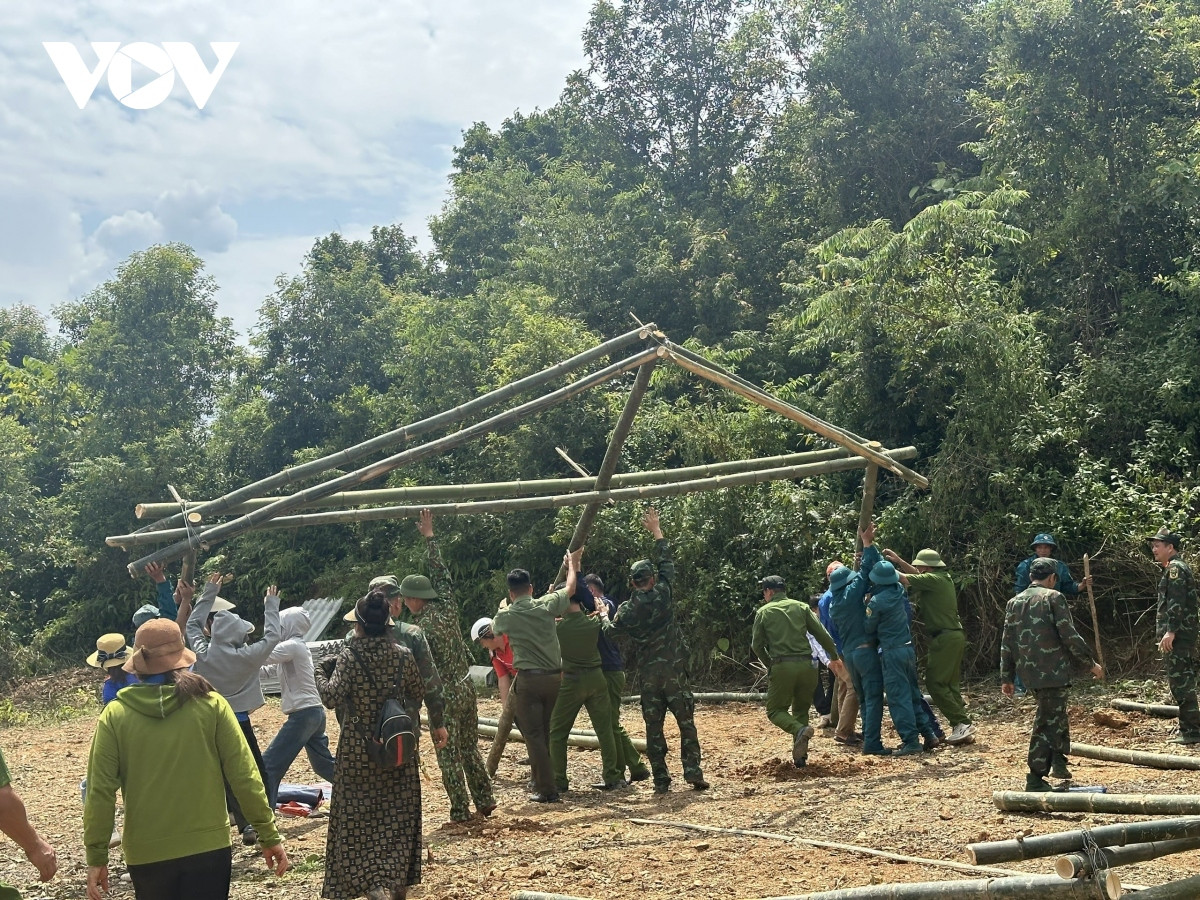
column 1136, row 757
column 1052, row 801
column 1161, row 710
column 1037, row 846
column 1078, row 865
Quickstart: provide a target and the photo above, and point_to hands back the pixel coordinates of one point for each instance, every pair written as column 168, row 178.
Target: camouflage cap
column 930, row 558
column 1042, row 567
column 884, row 573
column 1043, row 537
column 1167, row 536
column 839, row 578
column 643, row 568
column 387, row 582
column 417, row 586
column 773, row 582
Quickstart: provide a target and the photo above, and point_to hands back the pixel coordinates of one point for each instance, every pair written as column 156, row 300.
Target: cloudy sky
column 328, row 117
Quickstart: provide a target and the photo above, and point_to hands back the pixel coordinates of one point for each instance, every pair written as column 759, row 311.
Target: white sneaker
column 115, row 840
column 961, row 733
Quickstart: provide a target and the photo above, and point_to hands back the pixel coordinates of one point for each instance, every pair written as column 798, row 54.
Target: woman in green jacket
column 169, row 743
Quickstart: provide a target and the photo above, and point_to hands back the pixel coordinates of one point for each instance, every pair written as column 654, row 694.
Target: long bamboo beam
column 1186, row 889
column 1038, row 846
column 1080, row 865
column 498, row 489
column 1026, row 887
column 813, row 423
column 415, row 429
column 612, row 456
column 381, row 467
column 1159, row 710
column 494, row 722
column 384, row 513
column 1052, row 801
column 1137, row 757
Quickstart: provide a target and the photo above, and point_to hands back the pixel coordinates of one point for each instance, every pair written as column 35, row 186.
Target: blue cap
column 884, row 573
column 1043, row 538
column 839, row 578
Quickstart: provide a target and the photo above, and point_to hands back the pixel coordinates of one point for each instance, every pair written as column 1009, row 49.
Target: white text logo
column 164, row 61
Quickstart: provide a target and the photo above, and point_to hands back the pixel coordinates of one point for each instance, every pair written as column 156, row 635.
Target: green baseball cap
column 641, row 569
column 417, row 586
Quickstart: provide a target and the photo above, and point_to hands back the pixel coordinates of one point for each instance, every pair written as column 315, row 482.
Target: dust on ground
column 928, row 806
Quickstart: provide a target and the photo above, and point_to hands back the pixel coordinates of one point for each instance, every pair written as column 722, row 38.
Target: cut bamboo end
column 1064, row 867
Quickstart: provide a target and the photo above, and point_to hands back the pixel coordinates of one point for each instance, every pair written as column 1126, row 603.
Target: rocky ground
column 588, row 846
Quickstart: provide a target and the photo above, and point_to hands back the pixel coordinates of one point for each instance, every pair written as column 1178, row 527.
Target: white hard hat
column 480, row 626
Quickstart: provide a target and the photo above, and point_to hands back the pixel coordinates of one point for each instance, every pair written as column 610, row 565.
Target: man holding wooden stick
column 1040, row 642
column 1176, row 627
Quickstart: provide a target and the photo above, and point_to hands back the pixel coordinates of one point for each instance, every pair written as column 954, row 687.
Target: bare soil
column 929, row 806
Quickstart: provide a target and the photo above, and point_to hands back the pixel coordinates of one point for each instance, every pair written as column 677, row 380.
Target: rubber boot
column 1036, row 783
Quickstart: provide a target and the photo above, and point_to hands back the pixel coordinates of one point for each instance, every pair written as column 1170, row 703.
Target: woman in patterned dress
column 374, row 841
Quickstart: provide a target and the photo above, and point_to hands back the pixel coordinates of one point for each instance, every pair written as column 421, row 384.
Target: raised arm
column 195, row 623
column 439, row 574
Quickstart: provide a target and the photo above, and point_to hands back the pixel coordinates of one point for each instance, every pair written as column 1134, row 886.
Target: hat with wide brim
column 884, row 573
column 839, row 578
column 930, row 558
column 353, row 617
column 417, row 586
column 110, row 652
column 157, row 648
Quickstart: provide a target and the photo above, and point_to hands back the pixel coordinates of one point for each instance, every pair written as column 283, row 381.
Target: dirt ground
column 930, row 806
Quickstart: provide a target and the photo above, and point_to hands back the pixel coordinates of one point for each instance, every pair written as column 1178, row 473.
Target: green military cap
column 1167, row 536
column 1042, row 567
column 930, row 558
column 773, row 582
column 839, row 578
column 417, row 586
column 884, row 573
column 387, row 582
column 643, row 568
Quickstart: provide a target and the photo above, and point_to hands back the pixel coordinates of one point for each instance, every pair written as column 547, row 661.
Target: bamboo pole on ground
column 381, row 467
column 1053, row 801
column 1087, row 575
column 1136, row 757
column 813, row 423
column 1078, row 865
column 573, row 740
column 541, row 895
column 830, row 845
column 415, row 429
column 498, row 489
column 382, row 513
column 1041, row 845
column 712, row 697
column 1026, row 887
column 612, row 456
column 1159, row 710
column 491, row 722
column 1187, row 889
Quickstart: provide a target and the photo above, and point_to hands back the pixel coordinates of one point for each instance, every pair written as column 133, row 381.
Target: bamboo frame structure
column 870, row 482
column 500, row 489
column 1052, row 801
column 415, row 429
column 1079, row 865
column 1136, row 757
column 383, row 513
column 1038, row 846
column 249, row 521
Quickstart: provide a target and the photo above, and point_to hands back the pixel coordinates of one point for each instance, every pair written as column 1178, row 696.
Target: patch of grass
column 314, row 862
column 76, row 703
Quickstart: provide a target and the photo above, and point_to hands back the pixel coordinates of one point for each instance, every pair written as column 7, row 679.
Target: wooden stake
column 1087, row 575
column 1052, row 801
column 424, row 426
column 1136, row 757
column 1161, row 710
column 1037, row 846
column 1079, row 865
column 383, row 513
column 375, row 470
column 813, row 423
column 496, row 489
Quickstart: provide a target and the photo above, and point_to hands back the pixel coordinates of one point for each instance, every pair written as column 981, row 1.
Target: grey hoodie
column 294, row 663
column 226, row 659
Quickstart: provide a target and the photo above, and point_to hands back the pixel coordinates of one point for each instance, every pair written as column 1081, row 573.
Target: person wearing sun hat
column 168, row 743
column 1176, row 628
column 109, row 656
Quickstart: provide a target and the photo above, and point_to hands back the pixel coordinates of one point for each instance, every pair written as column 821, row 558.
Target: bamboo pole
column 1160, row 710
column 1027, row 887
column 1053, row 801
column 1136, row 757
column 830, row 845
column 504, row 725
column 383, row 513
column 408, row 432
column 612, row 456
column 1041, row 845
column 715, row 697
column 497, row 489
column 382, row 467
column 1187, row 889
column 1079, row 865
column 541, row 895
column 573, row 740
column 1087, row 575
column 493, row 722
column 870, row 481
column 813, row 423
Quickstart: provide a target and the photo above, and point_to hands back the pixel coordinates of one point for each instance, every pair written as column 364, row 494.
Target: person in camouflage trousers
column 1039, row 643
column 1176, row 626
column 648, row 619
column 431, row 603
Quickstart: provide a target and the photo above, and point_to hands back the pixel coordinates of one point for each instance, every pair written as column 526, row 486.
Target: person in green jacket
column 780, row 639
column 169, row 743
column 583, row 685
column 15, row 823
column 1176, row 627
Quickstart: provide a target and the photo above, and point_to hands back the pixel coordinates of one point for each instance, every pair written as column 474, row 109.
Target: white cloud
column 326, row 114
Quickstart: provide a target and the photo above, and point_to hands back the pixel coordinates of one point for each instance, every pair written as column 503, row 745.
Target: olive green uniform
column 1177, row 613
column 583, row 685
column 932, row 595
column 780, row 639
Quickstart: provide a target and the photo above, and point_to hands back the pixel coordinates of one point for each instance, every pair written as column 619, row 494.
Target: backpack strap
column 354, row 719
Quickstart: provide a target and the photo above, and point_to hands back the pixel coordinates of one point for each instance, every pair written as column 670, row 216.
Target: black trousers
column 204, row 876
column 231, row 801
column 535, row 697
column 823, row 693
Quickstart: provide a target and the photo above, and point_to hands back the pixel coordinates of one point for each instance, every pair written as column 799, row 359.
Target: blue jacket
column 887, row 617
column 1066, row 584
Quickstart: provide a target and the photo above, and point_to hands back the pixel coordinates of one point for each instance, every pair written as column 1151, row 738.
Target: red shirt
column 502, row 660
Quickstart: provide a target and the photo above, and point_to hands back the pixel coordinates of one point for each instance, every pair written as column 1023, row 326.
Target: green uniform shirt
column 1039, row 641
column 529, row 624
column 781, row 628
column 410, row 636
column 1177, row 604
column 577, row 635
column 934, row 596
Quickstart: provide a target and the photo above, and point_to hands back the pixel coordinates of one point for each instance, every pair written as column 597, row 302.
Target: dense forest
column 966, row 225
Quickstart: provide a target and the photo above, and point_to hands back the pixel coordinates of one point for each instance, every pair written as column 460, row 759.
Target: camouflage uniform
column 413, row 638
column 1039, row 643
column 648, row 619
column 1177, row 613
column 439, row 620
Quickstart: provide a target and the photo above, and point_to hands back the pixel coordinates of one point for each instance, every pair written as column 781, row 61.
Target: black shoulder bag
column 393, row 743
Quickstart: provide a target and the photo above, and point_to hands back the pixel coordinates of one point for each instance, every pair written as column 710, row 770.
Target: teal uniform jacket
column 847, row 607
column 1065, row 584
column 887, row 617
